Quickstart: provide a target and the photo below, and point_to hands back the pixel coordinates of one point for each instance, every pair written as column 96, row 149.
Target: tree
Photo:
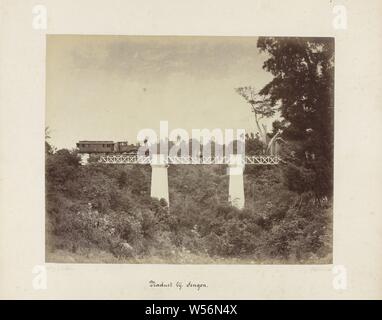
column 260, row 106
column 61, row 169
column 48, row 148
column 302, row 87
column 253, row 145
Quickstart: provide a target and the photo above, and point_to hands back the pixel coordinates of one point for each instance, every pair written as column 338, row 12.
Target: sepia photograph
column 190, row 157
column 189, row 149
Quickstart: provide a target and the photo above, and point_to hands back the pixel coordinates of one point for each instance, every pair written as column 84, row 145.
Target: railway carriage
column 95, row 146
column 106, row 147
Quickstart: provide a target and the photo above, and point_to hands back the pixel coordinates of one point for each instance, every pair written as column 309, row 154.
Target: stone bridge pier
column 159, row 177
column 236, row 181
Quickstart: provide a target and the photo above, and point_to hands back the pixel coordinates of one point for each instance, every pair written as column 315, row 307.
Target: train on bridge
column 106, row 147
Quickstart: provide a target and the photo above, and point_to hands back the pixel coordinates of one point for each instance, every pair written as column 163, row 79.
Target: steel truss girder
column 134, row 159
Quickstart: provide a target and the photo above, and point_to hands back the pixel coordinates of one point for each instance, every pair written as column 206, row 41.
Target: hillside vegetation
column 100, row 210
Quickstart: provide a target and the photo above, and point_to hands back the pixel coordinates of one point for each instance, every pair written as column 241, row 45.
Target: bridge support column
column 236, row 181
column 159, row 177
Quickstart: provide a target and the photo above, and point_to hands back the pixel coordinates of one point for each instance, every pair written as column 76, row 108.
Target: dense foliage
column 108, row 209
column 303, row 88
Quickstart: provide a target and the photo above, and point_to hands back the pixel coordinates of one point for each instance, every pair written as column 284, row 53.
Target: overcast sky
column 110, row 87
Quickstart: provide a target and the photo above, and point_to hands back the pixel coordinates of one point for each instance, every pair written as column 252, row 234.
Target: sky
column 111, row 87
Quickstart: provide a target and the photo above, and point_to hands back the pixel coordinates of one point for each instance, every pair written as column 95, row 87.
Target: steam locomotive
column 106, row 147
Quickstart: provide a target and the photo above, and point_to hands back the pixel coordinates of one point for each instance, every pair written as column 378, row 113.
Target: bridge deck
column 134, row 159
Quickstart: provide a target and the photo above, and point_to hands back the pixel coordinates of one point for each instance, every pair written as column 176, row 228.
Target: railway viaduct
column 160, row 162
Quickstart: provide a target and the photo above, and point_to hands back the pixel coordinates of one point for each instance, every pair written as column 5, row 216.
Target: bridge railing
column 135, row 159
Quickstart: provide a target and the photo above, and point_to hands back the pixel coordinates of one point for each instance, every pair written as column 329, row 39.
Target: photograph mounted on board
column 189, row 149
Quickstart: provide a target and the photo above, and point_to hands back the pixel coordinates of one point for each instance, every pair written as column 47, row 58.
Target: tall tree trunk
column 262, row 131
